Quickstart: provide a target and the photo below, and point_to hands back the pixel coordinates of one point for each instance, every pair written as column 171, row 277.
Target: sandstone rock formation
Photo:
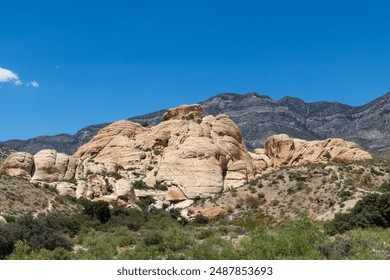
column 210, row 212
column 283, row 150
column 51, row 166
column 187, row 112
column 201, row 155
column 184, row 157
column 18, row 164
column 175, row 194
column 260, row 160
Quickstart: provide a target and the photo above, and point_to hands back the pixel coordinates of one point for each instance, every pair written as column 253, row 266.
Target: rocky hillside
column 320, row 190
column 259, row 117
column 4, row 152
column 185, row 157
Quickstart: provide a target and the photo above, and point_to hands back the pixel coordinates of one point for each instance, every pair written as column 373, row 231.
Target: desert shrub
column 327, row 156
column 384, row 187
column 160, row 187
column 24, row 252
column 372, row 211
column 253, row 182
column 8, row 237
column 140, row 185
column 200, row 219
column 205, row 234
column 254, row 202
column 175, row 213
column 44, row 232
column 213, row 248
column 115, row 175
column 145, row 202
column 371, row 244
column 99, row 245
column 345, row 195
column 98, row 209
column 252, row 220
column 130, row 218
column 290, row 240
column 339, row 248
column 152, row 238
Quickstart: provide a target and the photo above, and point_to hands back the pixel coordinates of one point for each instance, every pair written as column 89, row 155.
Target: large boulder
column 18, row 164
column 51, row 166
column 184, row 112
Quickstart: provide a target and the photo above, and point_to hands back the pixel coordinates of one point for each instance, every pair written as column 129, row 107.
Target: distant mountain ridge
column 4, row 152
column 258, row 117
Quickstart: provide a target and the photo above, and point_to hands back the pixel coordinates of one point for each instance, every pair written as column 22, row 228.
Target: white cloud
column 33, row 84
column 7, row 76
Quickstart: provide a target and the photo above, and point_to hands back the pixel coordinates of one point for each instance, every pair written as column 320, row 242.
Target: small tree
column 99, row 209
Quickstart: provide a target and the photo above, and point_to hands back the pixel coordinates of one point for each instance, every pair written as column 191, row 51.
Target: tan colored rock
column 283, row 150
column 194, row 154
column 211, row 212
column 114, row 144
column 184, row 112
column 236, row 174
column 51, row 166
column 260, row 160
column 81, row 189
column 199, row 154
column 124, row 190
column 18, row 164
column 65, row 188
column 175, row 194
column 108, row 198
column 2, row 220
column 182, row 205
column 96, row 186
column 145, row 193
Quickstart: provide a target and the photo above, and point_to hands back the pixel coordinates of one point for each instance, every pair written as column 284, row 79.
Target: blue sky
column 68, row 64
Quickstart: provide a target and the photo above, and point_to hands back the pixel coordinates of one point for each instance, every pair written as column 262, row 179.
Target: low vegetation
column 264, row 220
column 100, row 232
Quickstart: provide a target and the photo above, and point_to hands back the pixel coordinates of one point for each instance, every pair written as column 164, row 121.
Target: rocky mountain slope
column 4, row 152
column 259, row 117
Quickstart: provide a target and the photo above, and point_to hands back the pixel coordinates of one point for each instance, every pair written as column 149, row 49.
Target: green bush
column 290, row 240
column 115, row 175
column 44, row 231
column 153, row 238
column 98, row 209
column 384, row 187
column 140, row 185
column 372, row 211
column 200, row 219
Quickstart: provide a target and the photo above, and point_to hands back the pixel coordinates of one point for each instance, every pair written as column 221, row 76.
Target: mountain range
column 258, row 117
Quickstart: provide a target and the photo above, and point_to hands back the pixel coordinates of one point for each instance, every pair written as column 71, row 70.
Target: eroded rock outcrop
column 51, row 166
column 186, row 156
column 202, row 156
column 18, row 164
column 283, row 150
